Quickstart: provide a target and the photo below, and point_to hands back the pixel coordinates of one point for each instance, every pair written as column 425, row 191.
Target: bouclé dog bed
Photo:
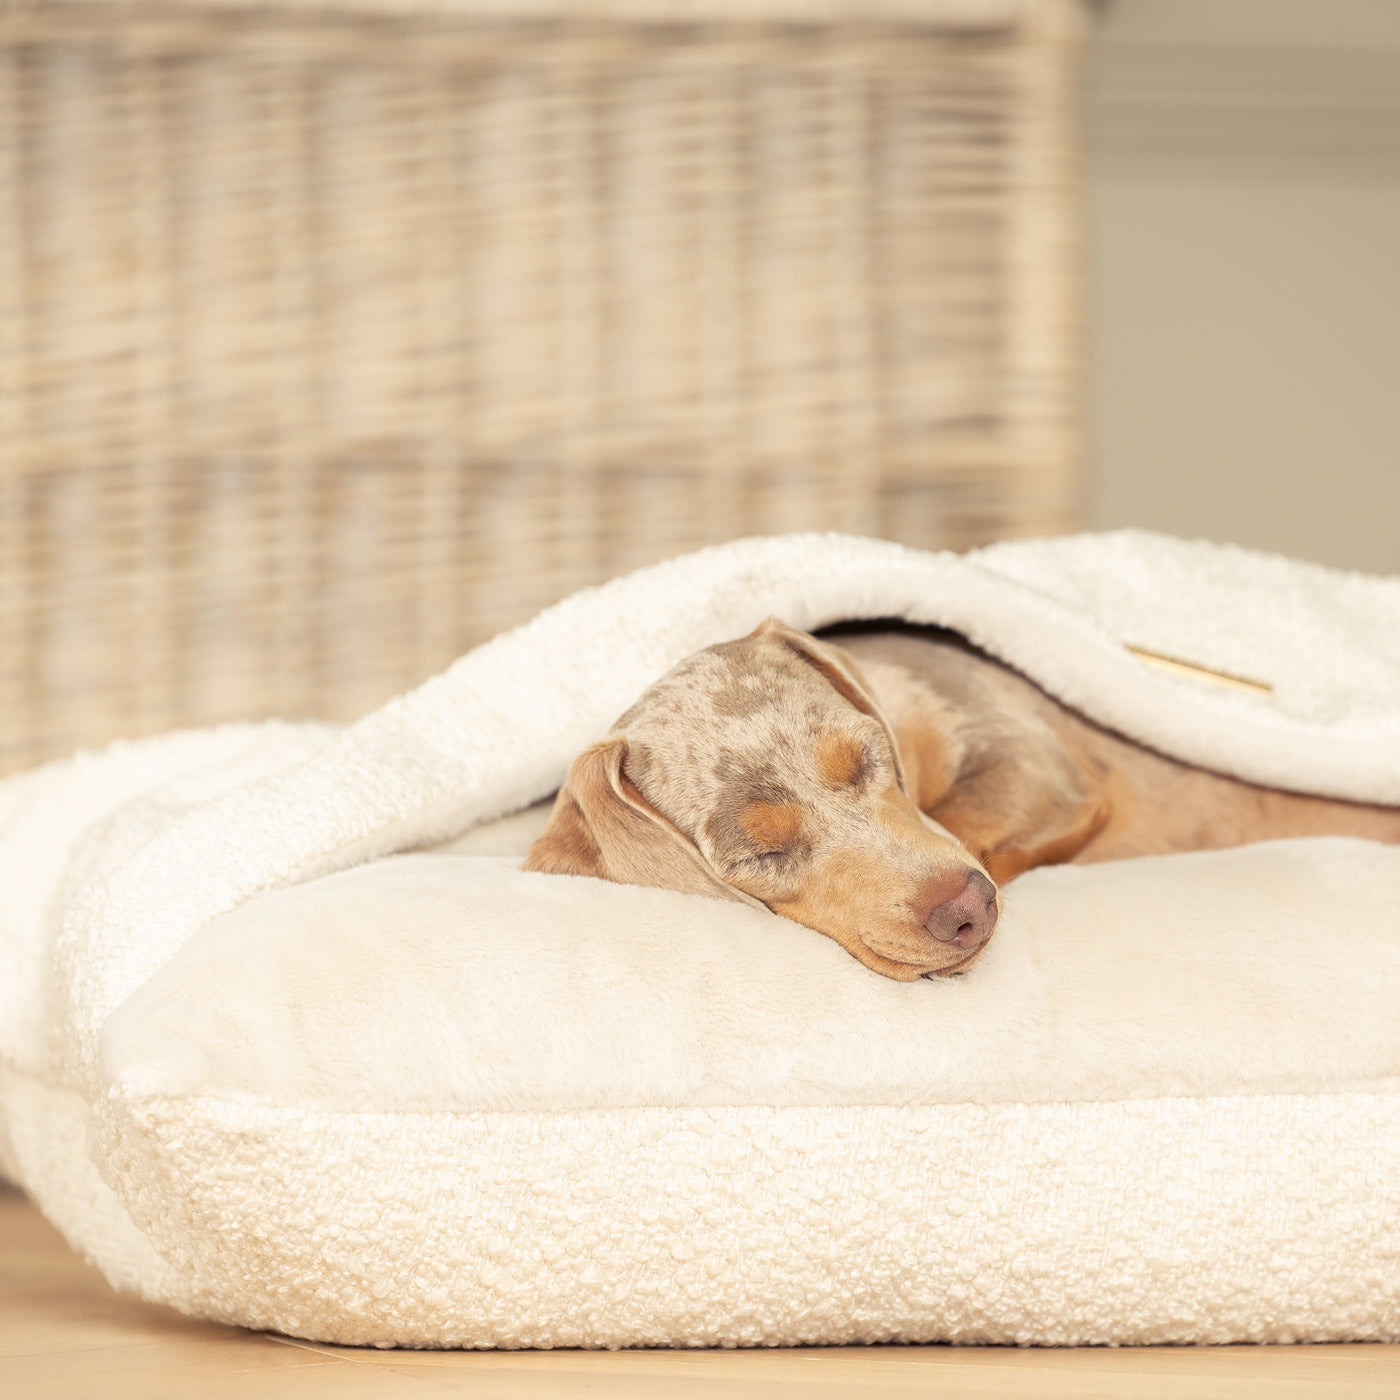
column 274, row 1053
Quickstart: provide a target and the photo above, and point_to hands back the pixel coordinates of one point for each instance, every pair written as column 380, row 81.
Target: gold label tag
column 1175, row 666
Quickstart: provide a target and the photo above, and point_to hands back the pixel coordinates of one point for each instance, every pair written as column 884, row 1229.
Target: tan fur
column 860, row 787
column 839, row 759
column 772, row 823
column 602, row 826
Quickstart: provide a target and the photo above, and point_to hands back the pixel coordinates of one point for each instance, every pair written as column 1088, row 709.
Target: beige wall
column 1244, row 221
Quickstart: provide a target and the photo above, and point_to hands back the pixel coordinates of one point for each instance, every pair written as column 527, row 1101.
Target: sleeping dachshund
column 881, row 789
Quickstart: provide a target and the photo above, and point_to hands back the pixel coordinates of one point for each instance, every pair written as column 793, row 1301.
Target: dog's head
column 762, row 770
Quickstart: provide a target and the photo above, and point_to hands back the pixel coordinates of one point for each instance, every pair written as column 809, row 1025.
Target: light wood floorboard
column 64, row 1333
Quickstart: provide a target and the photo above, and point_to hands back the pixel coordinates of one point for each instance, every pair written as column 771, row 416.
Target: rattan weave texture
column 335, row 339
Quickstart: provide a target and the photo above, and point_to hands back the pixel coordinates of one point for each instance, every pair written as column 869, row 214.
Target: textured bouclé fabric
column 279, row 1046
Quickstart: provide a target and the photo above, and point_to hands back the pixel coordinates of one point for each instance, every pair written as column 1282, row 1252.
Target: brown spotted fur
column 853, row 786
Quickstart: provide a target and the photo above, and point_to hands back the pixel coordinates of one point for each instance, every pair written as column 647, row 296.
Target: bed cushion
column 383, row 1108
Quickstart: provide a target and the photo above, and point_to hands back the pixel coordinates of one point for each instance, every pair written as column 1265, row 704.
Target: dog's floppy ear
column 1021, row 802
column 602, row 826
column 840, row 670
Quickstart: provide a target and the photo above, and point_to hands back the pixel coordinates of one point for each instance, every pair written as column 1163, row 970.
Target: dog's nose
column 968, row 918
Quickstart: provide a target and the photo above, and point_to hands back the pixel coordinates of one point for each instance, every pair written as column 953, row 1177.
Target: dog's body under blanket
column 559, row 1113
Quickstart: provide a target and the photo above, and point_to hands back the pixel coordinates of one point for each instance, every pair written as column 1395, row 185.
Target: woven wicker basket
column 335, row 338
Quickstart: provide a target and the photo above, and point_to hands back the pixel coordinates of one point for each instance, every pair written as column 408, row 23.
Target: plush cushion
column 382, row 1107
column 415, row 985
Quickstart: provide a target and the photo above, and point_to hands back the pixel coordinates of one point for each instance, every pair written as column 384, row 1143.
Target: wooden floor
column 63, row 1333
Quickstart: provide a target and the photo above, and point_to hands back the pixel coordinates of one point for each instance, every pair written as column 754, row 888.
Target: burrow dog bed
column 261, row 1067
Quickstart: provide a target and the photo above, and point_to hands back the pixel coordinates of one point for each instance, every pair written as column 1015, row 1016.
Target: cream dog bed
column 262, row 1068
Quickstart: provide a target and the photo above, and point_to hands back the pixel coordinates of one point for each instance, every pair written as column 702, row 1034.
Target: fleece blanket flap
column 262, row 1073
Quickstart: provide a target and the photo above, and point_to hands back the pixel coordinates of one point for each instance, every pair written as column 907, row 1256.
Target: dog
column 880, row 785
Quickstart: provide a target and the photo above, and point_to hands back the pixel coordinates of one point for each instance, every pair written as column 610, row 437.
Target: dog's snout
column 968, row 918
